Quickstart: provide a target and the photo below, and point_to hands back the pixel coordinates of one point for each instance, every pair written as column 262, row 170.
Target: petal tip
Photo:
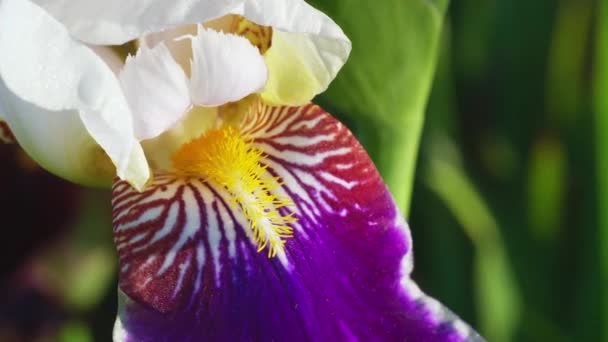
column 225, row 68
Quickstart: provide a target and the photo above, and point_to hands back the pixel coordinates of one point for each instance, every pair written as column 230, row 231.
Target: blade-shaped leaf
column 386, row 83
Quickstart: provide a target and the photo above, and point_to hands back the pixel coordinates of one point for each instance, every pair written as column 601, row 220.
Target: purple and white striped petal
column 190, row 271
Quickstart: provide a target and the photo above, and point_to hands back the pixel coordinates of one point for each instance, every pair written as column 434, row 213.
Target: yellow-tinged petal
column 160, row 149
column 296, row 71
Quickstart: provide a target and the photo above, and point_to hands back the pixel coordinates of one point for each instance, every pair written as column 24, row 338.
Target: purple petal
column 190, row 272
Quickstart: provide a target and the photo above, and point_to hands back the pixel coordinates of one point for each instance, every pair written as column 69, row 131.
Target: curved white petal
column 225, row 68
column 181, row 49
column 72, row 154
column 321, row 44
column 45, row 71
column 157, row 90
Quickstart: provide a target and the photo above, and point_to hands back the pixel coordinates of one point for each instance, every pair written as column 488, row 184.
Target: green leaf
column 385, row 84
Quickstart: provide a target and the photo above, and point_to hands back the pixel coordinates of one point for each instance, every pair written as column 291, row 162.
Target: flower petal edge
column 49, row 72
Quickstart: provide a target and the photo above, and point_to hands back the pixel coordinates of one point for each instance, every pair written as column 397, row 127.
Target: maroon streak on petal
column 6, row 136
column 190, row 272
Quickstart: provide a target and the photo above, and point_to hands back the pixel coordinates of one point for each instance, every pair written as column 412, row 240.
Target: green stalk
column 498, row 298
column 601, row 135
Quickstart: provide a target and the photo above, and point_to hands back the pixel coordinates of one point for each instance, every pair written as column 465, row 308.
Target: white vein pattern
column 199, row 242
column 308, row 170
column 192, row 227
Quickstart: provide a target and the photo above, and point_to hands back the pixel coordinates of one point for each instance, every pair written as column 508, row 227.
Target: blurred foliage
column 60, row 263
column 601, row 148
column 75, row 332
column 499, row 302
column 508, row 209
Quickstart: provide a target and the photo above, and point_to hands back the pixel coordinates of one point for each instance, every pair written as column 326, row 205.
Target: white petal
column 112, row 22
column 57, row 78
column 157, row 90
column 117, row 21
column 73, row 154
column 181, row 49
column 225, row 68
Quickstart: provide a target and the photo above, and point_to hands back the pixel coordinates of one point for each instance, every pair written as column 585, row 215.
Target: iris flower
column 241, row 211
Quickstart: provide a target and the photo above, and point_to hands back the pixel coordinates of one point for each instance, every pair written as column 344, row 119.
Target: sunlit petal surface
column 190, row 272
column 225, row 68
column 181, row 49
column 314, row 45
column 61, row 99
column 297, row 71
column 156, row 89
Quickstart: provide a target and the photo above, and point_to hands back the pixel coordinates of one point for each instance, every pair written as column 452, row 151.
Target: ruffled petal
column 181, row 49
column 319, row 44
column 225, row 68
column 156, row 89
column 49, row 80
column 190, row 272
